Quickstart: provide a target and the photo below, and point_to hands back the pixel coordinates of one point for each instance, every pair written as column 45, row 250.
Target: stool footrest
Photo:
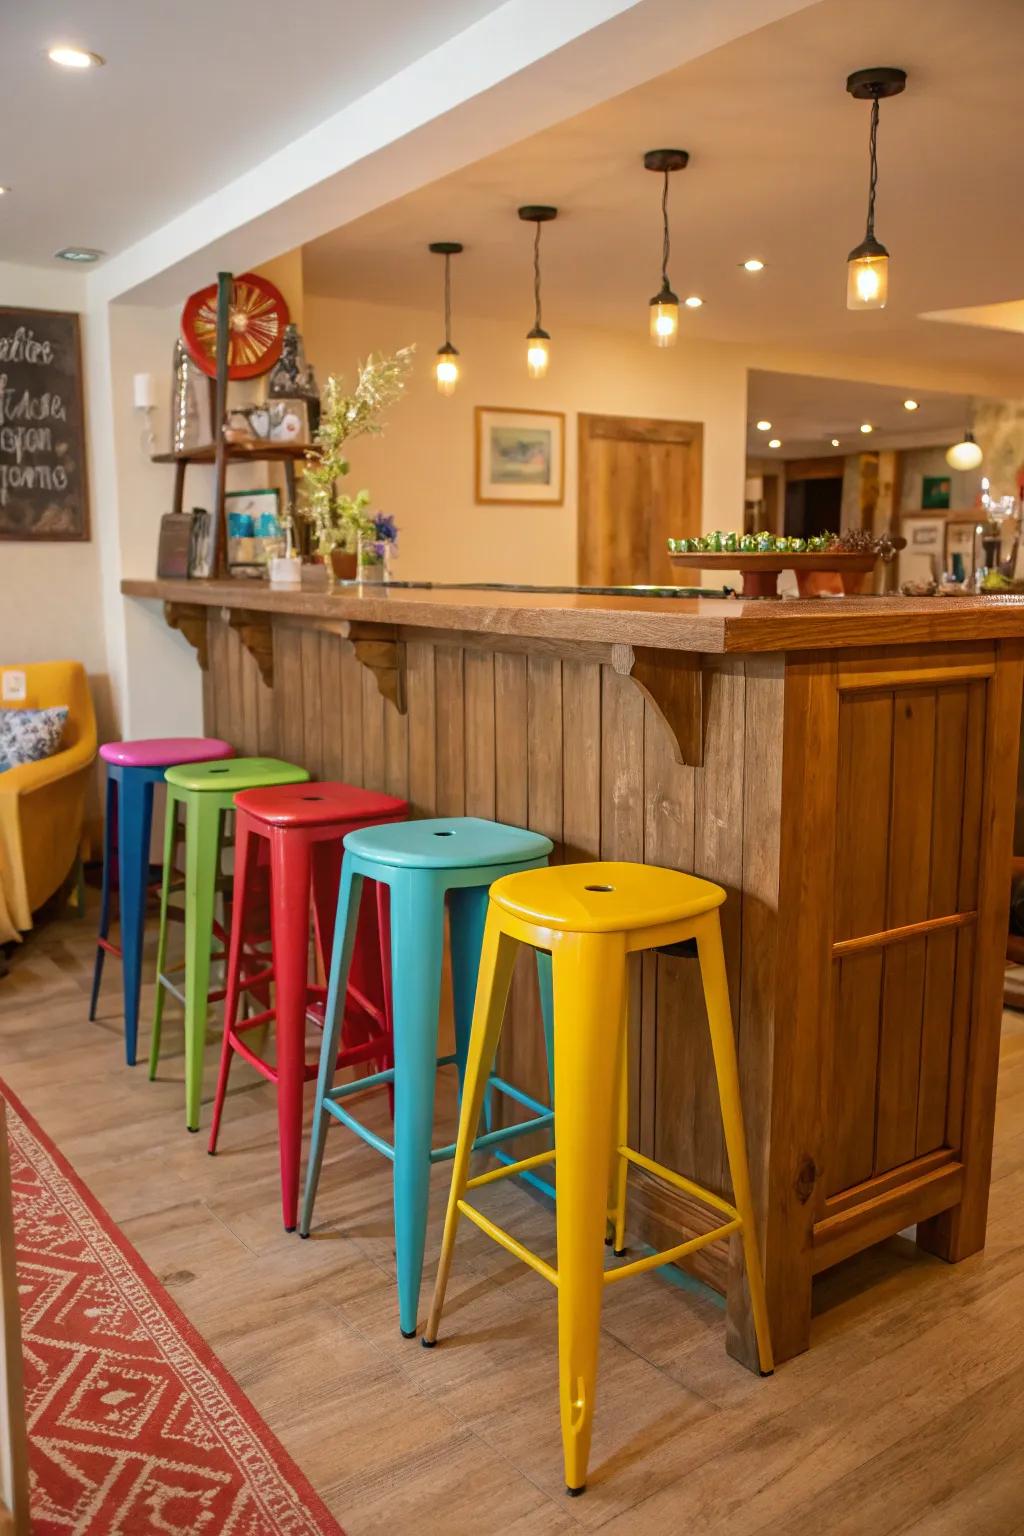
column 522, row 1166
column 670, row 1255
column 659, row 1171
column 509, row 1242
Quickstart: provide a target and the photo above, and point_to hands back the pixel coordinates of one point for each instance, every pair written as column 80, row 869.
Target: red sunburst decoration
column 258, row 315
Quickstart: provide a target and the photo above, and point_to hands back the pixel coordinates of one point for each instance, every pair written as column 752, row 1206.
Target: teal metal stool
column 206, row 791
column 423, row 863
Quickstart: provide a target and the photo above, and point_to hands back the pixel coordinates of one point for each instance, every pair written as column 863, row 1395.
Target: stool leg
column 347, row 921
column 109, row 815
column 723, row 1047
column 234, row 968
column 170, row 824
column 547, row 1012
column 590, row 981
column 290, row 895
column 202, row 845
column 417, row 947
column 134, row 824
column 497, row 960
column 620, row 1136
column 467, row 914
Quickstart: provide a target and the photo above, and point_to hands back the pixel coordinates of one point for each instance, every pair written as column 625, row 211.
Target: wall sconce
column 144, row 389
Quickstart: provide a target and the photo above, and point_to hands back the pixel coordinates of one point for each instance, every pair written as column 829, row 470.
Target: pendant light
column 867, row 266
column 966, row 454
column 665, row 304
column 446, row 367
column 538, row 348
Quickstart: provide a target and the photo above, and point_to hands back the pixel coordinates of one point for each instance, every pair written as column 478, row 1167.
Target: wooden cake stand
column 761, row 571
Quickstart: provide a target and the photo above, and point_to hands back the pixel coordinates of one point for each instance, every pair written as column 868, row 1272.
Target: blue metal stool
column 422, row 862
column 133, row 768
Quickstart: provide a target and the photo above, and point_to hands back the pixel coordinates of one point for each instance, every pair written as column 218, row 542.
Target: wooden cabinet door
column 639, row 485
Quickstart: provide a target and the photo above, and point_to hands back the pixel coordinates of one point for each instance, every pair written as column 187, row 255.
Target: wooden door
column 639, row 485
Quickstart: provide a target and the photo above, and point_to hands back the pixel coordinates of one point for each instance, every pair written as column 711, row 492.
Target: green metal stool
column 206, row 791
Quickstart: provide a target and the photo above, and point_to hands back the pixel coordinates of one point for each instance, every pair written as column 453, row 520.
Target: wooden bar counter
column 846, row 769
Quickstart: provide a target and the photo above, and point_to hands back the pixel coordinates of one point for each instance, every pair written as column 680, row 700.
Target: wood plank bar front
column 846, row 770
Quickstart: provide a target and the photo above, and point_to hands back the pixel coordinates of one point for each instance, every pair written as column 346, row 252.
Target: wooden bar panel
column 840, row 797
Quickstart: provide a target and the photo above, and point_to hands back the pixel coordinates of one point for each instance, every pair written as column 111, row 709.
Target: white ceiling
column 806, row 413
column 193, row 93
column 778, row 169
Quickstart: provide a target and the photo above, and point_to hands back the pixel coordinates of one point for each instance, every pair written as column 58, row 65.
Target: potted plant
column 337, row 520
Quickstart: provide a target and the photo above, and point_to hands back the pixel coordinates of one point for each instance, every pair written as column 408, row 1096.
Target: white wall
column 421, row 470
column 50, row 603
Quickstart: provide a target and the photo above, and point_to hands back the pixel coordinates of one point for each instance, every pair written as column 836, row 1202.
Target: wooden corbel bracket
column 190, row 620
column 257, row 635
column 378, row 647
column 673, row 683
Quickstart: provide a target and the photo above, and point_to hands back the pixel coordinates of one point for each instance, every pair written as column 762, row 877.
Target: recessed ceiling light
column 775, row 442
column 910, row 405
column 69, row 57
column 835, row 442
column 4, row 191
column 753, row 264
column 81, row 253
column 693, row 302
column 866, row 426
column 764, row 426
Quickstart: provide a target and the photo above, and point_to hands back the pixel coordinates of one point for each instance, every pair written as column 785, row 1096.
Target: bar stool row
column 377, row 887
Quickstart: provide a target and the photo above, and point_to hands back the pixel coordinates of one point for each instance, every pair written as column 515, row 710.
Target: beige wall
column 50, row 603
column 421, row 470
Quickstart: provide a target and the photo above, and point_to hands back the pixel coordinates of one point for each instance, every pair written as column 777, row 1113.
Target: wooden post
column 218, row 562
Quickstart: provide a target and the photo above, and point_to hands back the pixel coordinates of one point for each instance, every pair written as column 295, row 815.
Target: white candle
column 145, row 392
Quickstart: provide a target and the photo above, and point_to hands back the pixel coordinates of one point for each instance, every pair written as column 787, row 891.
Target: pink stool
column 133, row 768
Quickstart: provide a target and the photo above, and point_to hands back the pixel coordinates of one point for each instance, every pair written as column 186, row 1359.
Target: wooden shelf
column 255, row 452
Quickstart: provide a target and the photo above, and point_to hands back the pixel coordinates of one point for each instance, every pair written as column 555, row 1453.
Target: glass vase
column 373, row 560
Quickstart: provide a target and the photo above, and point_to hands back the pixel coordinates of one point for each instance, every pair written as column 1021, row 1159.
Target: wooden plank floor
column 907, row 1415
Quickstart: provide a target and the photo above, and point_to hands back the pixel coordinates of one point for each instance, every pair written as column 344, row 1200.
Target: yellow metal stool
column 591, row 917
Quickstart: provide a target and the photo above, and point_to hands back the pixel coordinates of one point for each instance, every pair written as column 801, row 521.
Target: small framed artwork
column 520, row 456
column 935, row 493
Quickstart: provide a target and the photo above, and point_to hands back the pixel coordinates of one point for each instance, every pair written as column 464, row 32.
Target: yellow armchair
column 42, row 805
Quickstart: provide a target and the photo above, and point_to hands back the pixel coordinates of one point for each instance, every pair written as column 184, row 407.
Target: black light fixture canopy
column 868, row 263
column 446, row 369
column 664, row 307
column 537, row 350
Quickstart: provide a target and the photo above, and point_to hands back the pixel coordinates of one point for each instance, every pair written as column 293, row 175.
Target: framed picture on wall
column 935, row 493
column 520, row 456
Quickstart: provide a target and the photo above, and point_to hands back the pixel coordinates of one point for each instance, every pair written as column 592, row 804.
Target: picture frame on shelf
column 520, row 456
column 254, row 532
column 174, row 546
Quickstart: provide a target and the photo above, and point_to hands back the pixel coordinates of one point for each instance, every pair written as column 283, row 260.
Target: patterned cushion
column 27, row 735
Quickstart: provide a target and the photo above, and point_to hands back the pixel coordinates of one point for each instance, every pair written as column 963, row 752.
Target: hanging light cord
column 873, row 172
column 447, row 299
column 665, row 242
column 536, row 278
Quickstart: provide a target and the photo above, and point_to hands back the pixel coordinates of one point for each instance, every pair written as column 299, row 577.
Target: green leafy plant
column 337, row 519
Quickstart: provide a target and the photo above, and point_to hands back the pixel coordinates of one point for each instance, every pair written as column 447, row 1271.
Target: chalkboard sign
column 44, row 493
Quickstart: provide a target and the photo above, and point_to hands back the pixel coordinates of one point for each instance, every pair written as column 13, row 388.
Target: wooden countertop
column 711, row 625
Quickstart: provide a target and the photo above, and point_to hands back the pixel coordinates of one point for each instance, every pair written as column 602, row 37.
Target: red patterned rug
column 135, row 1427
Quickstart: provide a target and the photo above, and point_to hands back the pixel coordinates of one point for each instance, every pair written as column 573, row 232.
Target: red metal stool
column 301, row 827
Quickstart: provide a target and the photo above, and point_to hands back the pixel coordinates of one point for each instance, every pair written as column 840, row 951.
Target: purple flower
column 385, row 528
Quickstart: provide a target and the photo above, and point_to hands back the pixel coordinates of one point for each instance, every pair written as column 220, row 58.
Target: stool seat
column 605, row 897
column 239, row 773
column 318, row 805
column 165, row 751
column 447, row 842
